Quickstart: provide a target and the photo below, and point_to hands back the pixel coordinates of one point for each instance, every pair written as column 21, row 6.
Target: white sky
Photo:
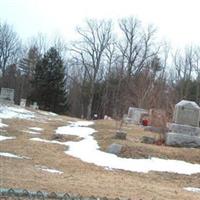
column 177, row 20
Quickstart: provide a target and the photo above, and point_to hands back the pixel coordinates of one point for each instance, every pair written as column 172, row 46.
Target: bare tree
column 137, row 51
column 41, row 42
column 95, row 38
column 9, row 46
column 184, row 65
column 61, row 46
column 136, row 46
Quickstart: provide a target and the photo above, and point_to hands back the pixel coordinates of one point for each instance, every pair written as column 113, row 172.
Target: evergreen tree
column 49, row 82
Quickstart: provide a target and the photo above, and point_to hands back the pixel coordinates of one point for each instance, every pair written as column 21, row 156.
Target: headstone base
column 184, row 129
column 182, row 140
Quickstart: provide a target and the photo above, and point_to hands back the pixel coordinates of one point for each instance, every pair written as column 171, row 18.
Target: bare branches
column 136, row 46
column 9, row 46
column 90, row 50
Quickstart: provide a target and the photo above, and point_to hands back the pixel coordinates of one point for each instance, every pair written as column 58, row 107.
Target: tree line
column 105, row 70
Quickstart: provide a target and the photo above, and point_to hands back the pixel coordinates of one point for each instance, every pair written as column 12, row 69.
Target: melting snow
column 82, row 123
column 8, row 112
column 53, row 114
column 10, row 155
column 44, row 168
column 192, row 189
column 88, row 150
column 36, row 129
column 3, row 125
column 47, row 113
column 6, row 138
column 32, row 132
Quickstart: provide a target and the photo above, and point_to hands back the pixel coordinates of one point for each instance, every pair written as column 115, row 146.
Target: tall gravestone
column 187, row 112
column 7, row 95
column 185, row 131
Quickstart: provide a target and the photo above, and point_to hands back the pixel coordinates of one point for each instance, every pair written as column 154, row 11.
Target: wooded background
column 107, row 69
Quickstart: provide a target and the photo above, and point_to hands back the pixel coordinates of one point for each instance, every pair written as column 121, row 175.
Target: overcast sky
column 176, row 20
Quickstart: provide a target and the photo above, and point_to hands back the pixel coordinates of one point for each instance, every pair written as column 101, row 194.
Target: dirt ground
column 87, row 179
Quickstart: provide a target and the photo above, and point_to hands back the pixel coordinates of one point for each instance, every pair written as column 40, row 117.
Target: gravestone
column 187, row 112
column 134, row 114
column 182, row 140
column 148, row 140
column 114, row 149
column 7, row 95
column 185, row 132
column 23, row 103
column 34, row 106
column 120, row 135
column 184, row 129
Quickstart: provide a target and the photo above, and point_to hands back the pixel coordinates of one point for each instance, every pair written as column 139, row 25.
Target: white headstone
column 134, row 114
column 35, row 105
column 187, row 112
column 23, row 103
column 7, row 95
column 185, row 132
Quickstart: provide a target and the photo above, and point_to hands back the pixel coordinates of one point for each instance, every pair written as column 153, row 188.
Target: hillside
column 48, row 152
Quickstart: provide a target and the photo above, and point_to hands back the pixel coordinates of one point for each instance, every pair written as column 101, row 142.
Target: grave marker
column 23, row 103
column 7, row 95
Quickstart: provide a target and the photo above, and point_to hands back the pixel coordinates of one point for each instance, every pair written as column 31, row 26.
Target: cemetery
column 53, row 149
column 183, row 131
column 7, row 97
column 99, row 100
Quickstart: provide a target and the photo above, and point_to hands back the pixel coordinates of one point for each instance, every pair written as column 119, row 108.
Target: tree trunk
column 197, row 89
column 89, row 108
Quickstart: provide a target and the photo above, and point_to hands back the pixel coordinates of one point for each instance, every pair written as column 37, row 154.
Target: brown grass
column 133, row 148
column 88, row 179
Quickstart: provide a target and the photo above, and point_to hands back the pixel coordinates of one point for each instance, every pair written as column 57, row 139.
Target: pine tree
column 49, row 82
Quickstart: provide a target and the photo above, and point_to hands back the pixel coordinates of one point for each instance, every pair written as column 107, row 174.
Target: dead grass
column 88, row 179
column 133, row 148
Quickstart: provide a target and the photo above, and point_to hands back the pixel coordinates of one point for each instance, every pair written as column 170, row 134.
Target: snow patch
column 192, row 189
column 3, row 125
column 83, row 123
column 88, row 150
column 32, row 132
column 36, row 128
column 10, row 155
column 44, row 168
column 6, row 138
column 53, row 114
column 8, row 112
column 47, row 113
column 74, row 130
